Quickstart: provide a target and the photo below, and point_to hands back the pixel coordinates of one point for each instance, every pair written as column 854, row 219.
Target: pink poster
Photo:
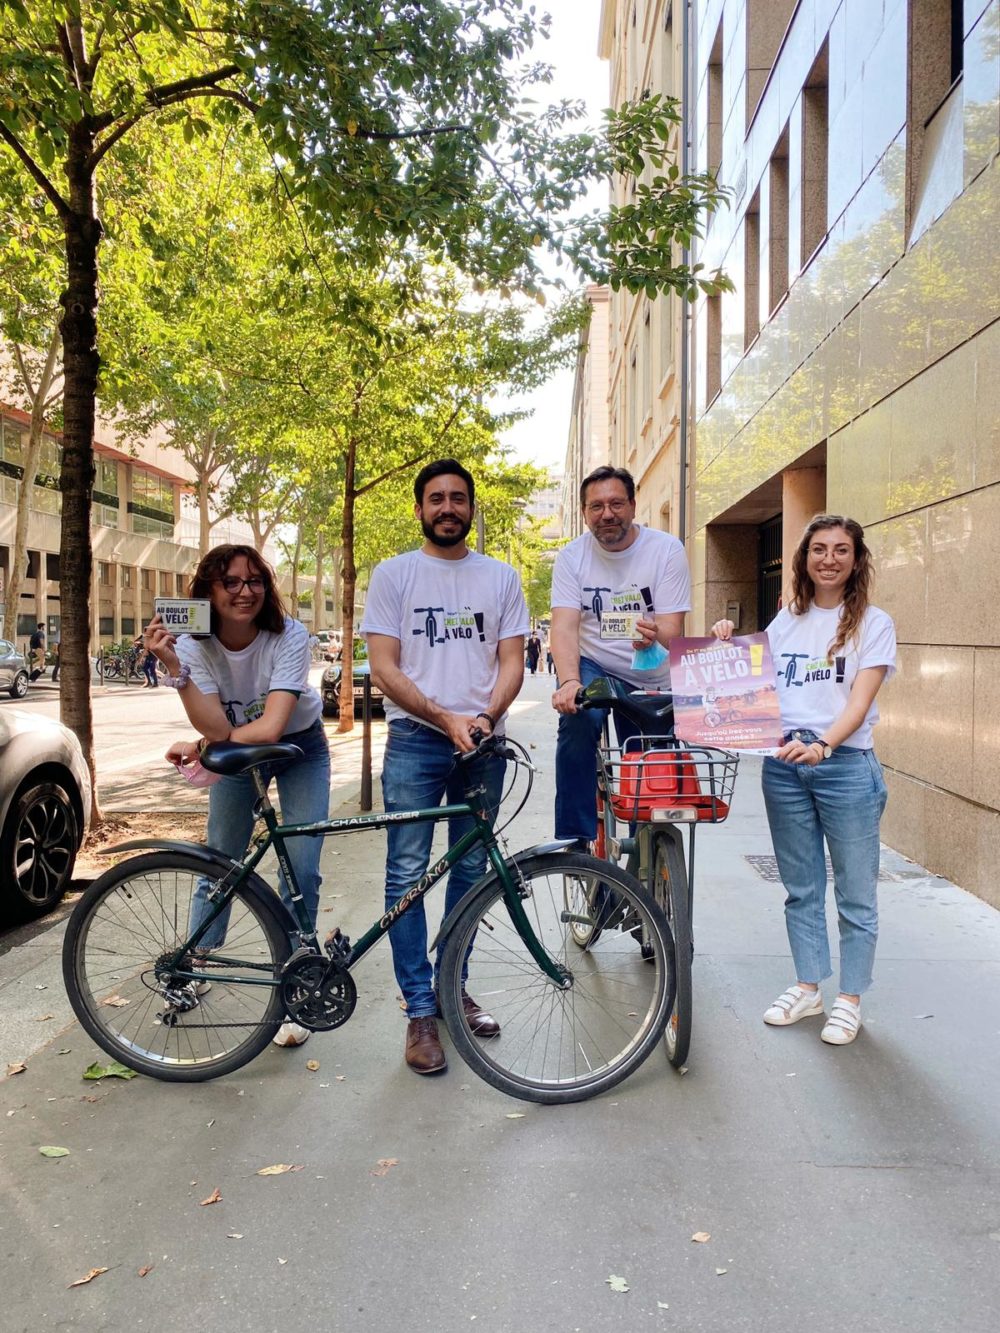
column 725, row 693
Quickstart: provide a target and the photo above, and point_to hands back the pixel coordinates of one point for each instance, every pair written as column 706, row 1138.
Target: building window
column 777, row 231
column 164, row 584
column 767, row 22
column 715, row 104
column 751, row 271
column 713, row 355
column 147, row 579
column 936, row 54
column 633, row 52
column 104, row 577
column 106, row 626
column 152, row 505
column 126, row 576
column 647, row 366
column 632, row 423
column 667, row 54
column 34, row 568
column 815, row 119
column 180, row 585
column 52, row 567
column 666, row 309
column 128, row 627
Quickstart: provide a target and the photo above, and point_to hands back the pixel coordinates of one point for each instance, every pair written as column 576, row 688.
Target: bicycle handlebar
column 600, row 693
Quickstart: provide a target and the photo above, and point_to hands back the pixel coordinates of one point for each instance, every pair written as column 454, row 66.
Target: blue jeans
column 841, row 800
column 418, row 769
column 304, row 788
column 576, row 760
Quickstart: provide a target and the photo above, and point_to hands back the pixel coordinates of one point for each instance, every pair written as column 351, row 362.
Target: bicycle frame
column 276, row 835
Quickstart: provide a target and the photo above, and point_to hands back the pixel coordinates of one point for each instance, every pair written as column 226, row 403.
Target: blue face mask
column 649, row 657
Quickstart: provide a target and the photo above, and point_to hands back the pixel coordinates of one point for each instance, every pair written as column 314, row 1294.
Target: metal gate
column 769, row 571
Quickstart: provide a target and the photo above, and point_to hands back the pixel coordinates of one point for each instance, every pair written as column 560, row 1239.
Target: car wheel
column 19, row 685
column 37, row 850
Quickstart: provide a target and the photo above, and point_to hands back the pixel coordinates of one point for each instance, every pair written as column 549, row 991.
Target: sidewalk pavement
column 841, row 1188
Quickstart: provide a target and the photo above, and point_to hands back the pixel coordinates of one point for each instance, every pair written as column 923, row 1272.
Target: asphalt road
column 839, row 1189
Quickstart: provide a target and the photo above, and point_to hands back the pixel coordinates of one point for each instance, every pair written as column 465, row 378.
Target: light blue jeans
column 841, row 800
column 304, row 789
column 418, row 769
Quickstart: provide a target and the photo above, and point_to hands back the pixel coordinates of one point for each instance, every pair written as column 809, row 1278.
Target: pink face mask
column 195, row 774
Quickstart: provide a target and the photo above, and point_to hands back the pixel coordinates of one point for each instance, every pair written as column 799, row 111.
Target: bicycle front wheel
column 670, row 888
column 555, row 1044
column 138, row 1005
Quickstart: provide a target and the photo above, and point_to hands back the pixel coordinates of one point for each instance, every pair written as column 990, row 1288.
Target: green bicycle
column 574, row 1022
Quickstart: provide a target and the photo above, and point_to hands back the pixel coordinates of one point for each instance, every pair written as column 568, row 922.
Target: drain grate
column 767, row 868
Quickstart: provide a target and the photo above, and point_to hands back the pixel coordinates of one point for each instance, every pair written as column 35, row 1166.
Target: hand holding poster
column 725, row 693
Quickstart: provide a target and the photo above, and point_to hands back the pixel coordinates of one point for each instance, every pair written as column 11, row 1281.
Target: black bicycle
column 574, row 1021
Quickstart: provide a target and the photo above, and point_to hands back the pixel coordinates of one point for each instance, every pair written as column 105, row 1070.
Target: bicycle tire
column 138, row 912
column 557, row 1045
column 670, row 889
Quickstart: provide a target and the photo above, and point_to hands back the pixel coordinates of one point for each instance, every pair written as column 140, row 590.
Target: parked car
column 44, row 812
column 330, row 690
column 13, row 670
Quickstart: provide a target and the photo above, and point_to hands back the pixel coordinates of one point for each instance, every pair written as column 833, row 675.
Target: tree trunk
column 37, row 396
column 295, row 574
column 350, row 579
column 204, row 473
column 81, row 362
column 319, row 601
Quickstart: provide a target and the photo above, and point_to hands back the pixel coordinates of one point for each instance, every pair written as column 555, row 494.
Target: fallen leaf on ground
column 86, row 1098
column 278, row 1169
column 384, row 1165
column 146, row 1268
column 234, row 1235
column 701, row 1237
column 115, row 1001
column 616, row 1283
column 18, row 1068
column 720, row 1271
column 214, row 1197
column 64, row 1050
column 282, row 1261
column 43, row 1018
column 41, row 988
column 515, row 1115
column 51, row 1151
column 662, row 1305
column 112, row 1070
column 312, row 1064
column 87, row 1277
column 924, row 1015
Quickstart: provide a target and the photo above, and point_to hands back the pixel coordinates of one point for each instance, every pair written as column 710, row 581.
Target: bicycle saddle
column 231, row 757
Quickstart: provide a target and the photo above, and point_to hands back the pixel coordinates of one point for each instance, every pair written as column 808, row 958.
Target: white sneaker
column 793, row 1004
column 291, row 1034
column 844, row 1023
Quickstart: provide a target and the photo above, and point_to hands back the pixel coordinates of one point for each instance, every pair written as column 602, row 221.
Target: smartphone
column 185, row 615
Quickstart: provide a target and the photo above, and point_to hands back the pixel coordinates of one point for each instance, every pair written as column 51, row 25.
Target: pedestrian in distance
column 534, row 652
column 445, row 628
column 550, row 665
column 36, row 652
column 56, row 650
column 825, row 782
column 249, row 682
column 147, row 661
column 615, row 574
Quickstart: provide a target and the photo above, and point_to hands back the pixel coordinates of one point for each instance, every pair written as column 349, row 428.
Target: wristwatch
column 827, row 751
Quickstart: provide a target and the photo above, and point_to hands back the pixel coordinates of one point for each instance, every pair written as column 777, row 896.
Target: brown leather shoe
column 481, row 1024
column 424, row 1052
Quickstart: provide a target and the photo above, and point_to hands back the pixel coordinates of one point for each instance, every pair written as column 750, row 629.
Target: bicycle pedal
column 337, row 944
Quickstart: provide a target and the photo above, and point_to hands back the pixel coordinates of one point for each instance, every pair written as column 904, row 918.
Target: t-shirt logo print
column 456, row 624
column 596, row 602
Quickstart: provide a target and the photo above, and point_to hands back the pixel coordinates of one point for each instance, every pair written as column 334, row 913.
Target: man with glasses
column 616, row 588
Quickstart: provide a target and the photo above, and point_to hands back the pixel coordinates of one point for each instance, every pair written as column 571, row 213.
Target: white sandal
column 793, row 1004
column 844, row 1023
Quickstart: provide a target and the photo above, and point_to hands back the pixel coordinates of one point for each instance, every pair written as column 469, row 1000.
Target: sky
column 578, row 73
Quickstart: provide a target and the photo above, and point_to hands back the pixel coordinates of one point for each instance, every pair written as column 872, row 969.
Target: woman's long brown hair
column 213, row 566
column 857, row 591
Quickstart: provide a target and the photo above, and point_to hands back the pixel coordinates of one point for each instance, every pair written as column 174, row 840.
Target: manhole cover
column 767, row 868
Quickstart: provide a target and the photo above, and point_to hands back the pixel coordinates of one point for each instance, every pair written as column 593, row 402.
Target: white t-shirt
column 449, row 616
column 243, row 679
column 649, row 577
column 812, row 691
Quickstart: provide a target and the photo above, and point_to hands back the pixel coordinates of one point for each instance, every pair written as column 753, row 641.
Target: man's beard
column 612, row 535
column 446, row 539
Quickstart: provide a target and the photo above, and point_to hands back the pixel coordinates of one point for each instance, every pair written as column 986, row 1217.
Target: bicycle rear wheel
column 122, row 933
column 670, row 888
column 559, row 1045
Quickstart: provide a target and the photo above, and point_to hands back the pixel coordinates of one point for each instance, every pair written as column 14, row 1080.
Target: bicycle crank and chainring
column 319, row 993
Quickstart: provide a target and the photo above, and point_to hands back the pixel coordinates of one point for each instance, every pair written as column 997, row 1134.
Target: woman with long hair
column 832, row 650
column 249, row 682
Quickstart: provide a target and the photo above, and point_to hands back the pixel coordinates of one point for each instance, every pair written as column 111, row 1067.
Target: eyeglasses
column 597, row 507
column 233, row 584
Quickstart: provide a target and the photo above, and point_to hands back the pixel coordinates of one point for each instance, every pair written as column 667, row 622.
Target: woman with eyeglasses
column 249, row 682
